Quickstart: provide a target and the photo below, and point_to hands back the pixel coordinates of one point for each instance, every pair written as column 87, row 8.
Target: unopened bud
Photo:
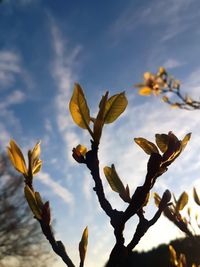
column 165, row 199
column 162, row 71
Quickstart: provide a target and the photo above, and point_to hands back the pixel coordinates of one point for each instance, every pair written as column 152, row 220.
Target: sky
column 45, row 47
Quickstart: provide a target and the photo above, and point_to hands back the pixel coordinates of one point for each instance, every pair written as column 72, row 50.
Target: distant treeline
column 160, row 257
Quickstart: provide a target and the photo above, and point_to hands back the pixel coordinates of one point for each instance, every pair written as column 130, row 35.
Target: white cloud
column 87, row 186
column 56, row 188
column 16, row 97
column 10, row 67
column 62, row 71
column 171, row 63
column 168, row 16
column 191, row 85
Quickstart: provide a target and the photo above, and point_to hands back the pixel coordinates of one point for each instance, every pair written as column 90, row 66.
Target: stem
column 57, row 246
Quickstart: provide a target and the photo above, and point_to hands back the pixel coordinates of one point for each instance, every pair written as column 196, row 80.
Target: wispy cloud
column 56, row 188
column 191, row 85
column 10, row 67
column 63, row 73
column 167, row 17
column 172, row 63
column 16, row 97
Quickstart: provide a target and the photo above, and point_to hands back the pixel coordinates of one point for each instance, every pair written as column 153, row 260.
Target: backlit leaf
column 17, row 158
column 115, row 106
column 83, row 245
column 157, row 199
column 37, row 167
column 162, row 141
column 39, row 201
column 30, row 197
column 173, row 150
column 145, row 91
column 146, row 145
column 147, row 199
column 113, row 179
column 185, row 140
column 116, row 183
column 99, row 121
column 182, row 201
column 78, row 108
column 196, row 197
column 173, row 257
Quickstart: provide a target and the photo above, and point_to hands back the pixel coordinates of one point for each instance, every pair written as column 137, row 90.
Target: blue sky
column 46, row 46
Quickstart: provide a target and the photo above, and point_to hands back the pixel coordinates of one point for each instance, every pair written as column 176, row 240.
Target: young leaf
column 78, row 108
column 83, row 245
column 145, row 91
column 157, row 199
column 185, row 140
column 17, row 158
column 182, row 201
column 146, row 145
column 196, row 197
column 162, row 141
column 39, row 201
column 115, row 106
column 147, row 199
column 116, row 183
column 30, row 197
column 173, row 256
column 114, row 180
column 173, row 150
column 99, row 121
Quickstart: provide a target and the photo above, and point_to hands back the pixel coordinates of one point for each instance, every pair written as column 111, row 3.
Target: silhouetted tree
column 20, row 236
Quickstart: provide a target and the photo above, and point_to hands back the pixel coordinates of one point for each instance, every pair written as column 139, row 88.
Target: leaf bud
column 165, row 199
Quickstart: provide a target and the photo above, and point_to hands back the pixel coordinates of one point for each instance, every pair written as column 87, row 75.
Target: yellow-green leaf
column 165, row 99
column 39, row 201
column 196, row 197
column 182, row 201
column 185, row 140
column 17, row 158
column 115, row 106
column 145, row 91
column 78, row 108
column 37, row 167
column 99, row 121
column 35, row 153
column 157, row 199
column 173, row 257
column 147, row 199
column 114, row 180
column 146, row 145
column 30, row 197
column 83, row 245
column 162, row 141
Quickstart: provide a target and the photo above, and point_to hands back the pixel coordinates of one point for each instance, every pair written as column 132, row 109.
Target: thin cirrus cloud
column 10, row 67
column 16, row 97
column 62, row 72
column 56, row 188
column 172, row 63
column 166, row 17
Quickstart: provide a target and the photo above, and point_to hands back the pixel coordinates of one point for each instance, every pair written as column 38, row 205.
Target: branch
column 145, row 224
column 57, row 246
column 116, row 216
column 92, row 163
